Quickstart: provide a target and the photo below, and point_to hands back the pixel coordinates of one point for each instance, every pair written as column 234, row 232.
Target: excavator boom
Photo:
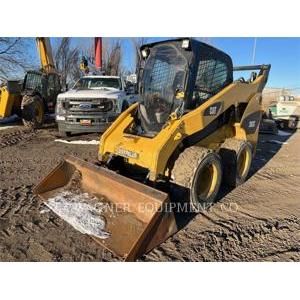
column 45, row 53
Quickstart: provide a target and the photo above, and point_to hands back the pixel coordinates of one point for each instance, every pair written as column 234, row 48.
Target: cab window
column 213, row 74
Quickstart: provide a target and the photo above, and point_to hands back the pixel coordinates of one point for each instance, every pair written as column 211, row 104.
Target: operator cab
column 176, row 76
column 46, row 85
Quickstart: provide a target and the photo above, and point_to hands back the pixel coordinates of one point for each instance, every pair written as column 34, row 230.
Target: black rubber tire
column 283, row 124
column 230, row 152
column 292, row 123
column 29, row 106
column 187, row 172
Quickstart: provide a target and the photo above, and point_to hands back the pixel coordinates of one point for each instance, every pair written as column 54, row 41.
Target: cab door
column 53, row 89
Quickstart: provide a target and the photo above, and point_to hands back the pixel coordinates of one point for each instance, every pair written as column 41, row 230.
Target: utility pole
column 254, row 51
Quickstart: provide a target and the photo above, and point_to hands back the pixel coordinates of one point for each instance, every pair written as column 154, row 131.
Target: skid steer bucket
column 124, row 216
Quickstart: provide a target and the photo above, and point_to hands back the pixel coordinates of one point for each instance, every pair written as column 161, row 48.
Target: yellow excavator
column 36, row 95
column 195, row 128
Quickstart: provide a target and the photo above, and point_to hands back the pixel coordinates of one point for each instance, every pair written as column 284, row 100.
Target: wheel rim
column 39, row 113
column 207, row 181
column 243, row 162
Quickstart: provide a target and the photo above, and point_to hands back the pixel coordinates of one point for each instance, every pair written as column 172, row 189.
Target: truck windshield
column 163, row 76
column 98, row 83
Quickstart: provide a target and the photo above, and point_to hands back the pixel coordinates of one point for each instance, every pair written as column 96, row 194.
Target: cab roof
column 99, row 76
column 196, row 46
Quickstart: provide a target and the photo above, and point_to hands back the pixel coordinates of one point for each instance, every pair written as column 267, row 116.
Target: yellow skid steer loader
column 194, row 128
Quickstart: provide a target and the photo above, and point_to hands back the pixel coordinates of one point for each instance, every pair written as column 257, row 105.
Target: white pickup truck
column 92, row 104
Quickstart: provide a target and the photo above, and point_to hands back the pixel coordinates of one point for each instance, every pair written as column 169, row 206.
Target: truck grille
column 88, row 105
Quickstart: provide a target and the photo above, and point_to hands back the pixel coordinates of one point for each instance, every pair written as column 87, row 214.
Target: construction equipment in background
column 10, row 98
column 84, row 65
column 194, row 128
column 96, row 69
column 36, row 96
column 98, row 53
column 286, row 112
column 268, row 124
column 95, row 100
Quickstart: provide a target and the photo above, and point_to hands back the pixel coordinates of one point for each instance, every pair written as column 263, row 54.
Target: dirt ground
column 258, row 221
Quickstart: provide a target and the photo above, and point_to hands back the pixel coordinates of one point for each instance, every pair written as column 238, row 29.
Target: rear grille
column 89, row 105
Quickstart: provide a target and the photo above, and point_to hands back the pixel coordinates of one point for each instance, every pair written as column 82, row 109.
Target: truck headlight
column 115, row 104
column 60, row 118
column 60, row 110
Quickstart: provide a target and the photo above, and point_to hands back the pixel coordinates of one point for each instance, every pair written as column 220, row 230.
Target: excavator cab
column 40, row 90
column 34, row 81
column 46, row 85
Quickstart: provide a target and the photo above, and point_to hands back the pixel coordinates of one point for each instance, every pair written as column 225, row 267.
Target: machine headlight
column 185, row 44
column 145, row 53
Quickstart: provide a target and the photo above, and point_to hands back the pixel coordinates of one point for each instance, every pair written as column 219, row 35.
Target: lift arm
column 45, row 52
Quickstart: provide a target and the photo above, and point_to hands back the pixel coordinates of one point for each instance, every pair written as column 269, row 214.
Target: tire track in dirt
column 265, row 227
column 15, row 137
column 237, row 242
column 29, row 231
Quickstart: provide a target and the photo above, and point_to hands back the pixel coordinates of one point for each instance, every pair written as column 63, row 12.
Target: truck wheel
column 199, row 171
column 236, row 159
column 292, row 123
column 283, row 124
column 32, row 111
